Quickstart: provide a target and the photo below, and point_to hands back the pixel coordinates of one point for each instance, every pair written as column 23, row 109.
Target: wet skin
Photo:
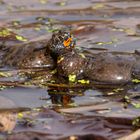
column 112, row 68
column 31, row 55
column 103, row 67
column 60, row 53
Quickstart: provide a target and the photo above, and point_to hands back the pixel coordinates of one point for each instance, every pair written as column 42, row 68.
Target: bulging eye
column 68, row 41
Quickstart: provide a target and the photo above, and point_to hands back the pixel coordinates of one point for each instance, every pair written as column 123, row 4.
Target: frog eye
column 67, row 42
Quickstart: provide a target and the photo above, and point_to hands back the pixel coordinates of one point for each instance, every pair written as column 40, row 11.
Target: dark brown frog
column 106, row 67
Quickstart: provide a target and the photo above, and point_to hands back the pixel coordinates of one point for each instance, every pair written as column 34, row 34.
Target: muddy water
column 84, row 113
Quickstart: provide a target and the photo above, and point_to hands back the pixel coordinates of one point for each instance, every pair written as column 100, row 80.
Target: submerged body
column 112, row 68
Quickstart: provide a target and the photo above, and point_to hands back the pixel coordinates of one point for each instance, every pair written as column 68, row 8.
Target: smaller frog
column 40, row 54
column 30, row 55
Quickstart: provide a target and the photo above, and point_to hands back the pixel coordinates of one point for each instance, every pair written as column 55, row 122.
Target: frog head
column 61, row 42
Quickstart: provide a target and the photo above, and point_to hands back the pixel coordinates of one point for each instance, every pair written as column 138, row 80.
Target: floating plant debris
column 21, row 38
column 72, row 77
column 136, row 81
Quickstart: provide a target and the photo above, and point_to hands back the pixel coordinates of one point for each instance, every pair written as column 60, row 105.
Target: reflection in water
column 64, row 96
column 63, row 100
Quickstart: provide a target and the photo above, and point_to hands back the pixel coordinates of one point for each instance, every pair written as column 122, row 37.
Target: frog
column 38, row 58
column 38, row 54
column 26, row 56
column 104, row 67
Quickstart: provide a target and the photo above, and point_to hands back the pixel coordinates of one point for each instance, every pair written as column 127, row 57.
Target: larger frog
column 106, row 67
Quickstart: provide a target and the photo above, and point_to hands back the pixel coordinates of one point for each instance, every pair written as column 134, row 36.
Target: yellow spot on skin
column 82, row 55
column 60, row 59
column 67, row 42
column 72, row 78
column 54, row 71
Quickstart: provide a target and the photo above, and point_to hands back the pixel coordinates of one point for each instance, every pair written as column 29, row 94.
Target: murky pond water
column 56, row 111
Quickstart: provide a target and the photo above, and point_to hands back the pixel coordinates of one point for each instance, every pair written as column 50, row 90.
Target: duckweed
column 117, row 89
column 63, row 3
column 82, row 81
column 20, row 115
column 51, row 29
column 113, row 40
column 5, row 74
column 136, row 105
column 2, row 87
column 40, row 18
column 21, row 38
column 43, row 1
column 16, row 23
column 136, row 81
column 4, row 32
column 54, row 71
column 104, row 43
column 136, row 122
column 98, row 6
column 72, row 77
